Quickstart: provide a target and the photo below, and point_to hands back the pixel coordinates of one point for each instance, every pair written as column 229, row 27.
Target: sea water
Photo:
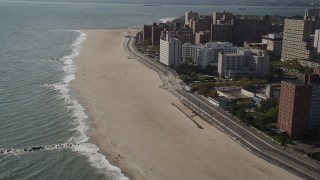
column 38, row 44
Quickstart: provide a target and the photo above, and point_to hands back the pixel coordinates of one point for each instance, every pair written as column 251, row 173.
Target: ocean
column 44, row 130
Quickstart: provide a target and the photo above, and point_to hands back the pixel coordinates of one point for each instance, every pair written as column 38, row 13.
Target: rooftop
column 231, row 54
column 231, row 92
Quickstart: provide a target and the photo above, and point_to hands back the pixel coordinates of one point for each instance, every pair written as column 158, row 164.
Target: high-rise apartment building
column 276, row 28
column 297, row 36
column 222, row 32
column 170, row 50
column 237, row 30
column 200, row 24
column 190, row 15
column 250, row 30
column 314, row 116
column 299, row 106
column 312, row 13
column 222, row 27
column 294, row 108
column 153, row 32
column 250, row 62
column 297, row 42
column 185, row 37
column 147, row 32
column 222, row 18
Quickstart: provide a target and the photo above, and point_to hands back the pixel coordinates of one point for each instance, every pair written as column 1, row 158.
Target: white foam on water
column 99, row 160
column 168, row 19
column 89, row 150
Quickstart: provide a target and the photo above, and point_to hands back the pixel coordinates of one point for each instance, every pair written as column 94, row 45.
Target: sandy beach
column 140, row 129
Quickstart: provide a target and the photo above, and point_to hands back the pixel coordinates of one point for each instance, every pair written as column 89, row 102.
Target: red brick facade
column 294, row 108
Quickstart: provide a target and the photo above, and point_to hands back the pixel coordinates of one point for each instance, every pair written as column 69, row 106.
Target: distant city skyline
column 214, row 2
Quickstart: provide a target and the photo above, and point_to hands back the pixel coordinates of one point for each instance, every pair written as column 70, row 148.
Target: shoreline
column 154, row 140
column 106, row 148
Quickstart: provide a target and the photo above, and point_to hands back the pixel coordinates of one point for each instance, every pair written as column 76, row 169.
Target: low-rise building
column 274, row 43
column 207, row 54
column 262, row 46
column 251, row 62
column 220, row 101
column 312, row 63
column 232, row 93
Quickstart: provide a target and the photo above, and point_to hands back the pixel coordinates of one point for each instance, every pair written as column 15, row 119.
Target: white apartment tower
column 254, row 62
column 170, row 50
column 316, row 43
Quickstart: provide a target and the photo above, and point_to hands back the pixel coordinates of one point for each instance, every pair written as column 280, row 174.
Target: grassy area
column 282, row 139
column 147, row 48
column 192, row 73
column 245, row 83
column 295, row 66
column 207, row 89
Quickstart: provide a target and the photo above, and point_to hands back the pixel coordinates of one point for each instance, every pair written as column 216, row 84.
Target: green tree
column 242, row 115
column 203, row 90
column 213, row 93
column 261, row 121
column 272, row 114
column 266, row 113
column 266, row 105
column 235, row 108
column 275, row 72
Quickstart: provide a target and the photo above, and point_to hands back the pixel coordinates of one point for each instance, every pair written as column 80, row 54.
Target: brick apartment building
column 299, row 106
column 293, row 108
column 237, row 30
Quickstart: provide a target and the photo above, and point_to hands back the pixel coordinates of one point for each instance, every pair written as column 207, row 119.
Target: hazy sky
column 193, row 1
column 209, row 1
